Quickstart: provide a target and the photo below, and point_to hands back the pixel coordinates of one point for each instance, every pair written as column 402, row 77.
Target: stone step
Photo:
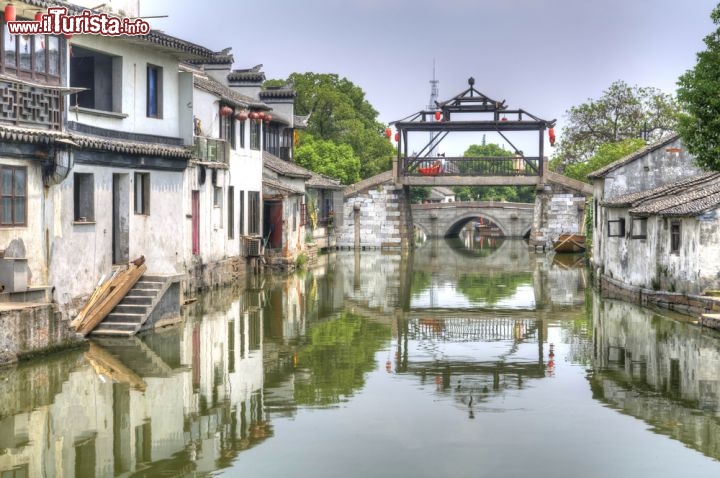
column 115, row 318
column 145, row 300
column 125, row 308
column 111, row 332
column 129, row 327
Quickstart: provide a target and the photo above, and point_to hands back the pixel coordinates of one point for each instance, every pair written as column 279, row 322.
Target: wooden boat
column 570, row 243
column 430, row 170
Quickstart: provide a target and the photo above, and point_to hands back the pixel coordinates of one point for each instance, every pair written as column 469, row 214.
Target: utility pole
column 431, row 107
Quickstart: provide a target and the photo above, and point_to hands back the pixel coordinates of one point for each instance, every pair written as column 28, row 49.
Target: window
column 303, row 213
column 100, row 75
column 253, row 212
column 142, row 193
column 255, row 135
column 13, row 196
column 241, row 206
column 84, row 192
column 638, row 228
column 227, row 127
column 231, row 212
column 217, row 196
column 616, row 228
column 154, row 91
column 34, row 57
column 675, row 237
column 242, row 133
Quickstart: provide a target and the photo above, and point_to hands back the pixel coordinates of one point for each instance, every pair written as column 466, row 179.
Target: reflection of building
column 659, row 370
column 176, row 401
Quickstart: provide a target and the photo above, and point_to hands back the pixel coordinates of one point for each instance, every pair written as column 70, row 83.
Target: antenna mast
column 432, row 106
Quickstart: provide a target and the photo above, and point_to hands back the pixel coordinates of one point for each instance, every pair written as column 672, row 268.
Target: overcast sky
column 543, row 56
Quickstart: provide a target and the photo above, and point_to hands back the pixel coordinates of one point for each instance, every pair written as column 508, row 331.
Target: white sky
column 543, row 56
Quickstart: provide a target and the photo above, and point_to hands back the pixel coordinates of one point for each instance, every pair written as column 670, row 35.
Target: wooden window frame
column 675, row 237
column 638, row 227
column 141, row 194
column 14, row 197
column 154, row 96
column 614, row 224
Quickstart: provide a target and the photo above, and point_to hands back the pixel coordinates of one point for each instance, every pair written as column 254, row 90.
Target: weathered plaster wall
column 662, row 166
column 135, row 59
column 555, row 214
column 82, row 252
column 380, row 215
column 31, row 330
column 33, row 241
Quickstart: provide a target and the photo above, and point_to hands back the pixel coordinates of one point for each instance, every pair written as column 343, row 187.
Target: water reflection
column 375, row 345
column 660, row 370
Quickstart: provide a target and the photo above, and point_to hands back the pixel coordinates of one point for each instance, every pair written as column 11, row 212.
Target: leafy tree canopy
column 492, row 193
column 606, row 154
column 699, row 95
column 328, row 158
column 339, row 113
column 622, row 112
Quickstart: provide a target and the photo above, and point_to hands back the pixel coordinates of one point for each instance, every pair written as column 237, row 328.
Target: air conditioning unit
column 253, row 246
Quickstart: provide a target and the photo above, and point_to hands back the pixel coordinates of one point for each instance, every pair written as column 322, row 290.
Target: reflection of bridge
column 465, row 329
column 447, row 219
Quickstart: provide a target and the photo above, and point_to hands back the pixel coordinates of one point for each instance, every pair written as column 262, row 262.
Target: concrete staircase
column 136, row 355
column 129, row 316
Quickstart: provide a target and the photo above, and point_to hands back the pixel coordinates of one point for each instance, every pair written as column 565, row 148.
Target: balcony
column 27, row 105
column 211, row 150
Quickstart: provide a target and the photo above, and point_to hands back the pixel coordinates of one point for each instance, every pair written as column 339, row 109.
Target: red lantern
column 551, row 134
column 503, row 118
column 225, row 111
column 241, row 115
column 253, row 115
column 268, row 118
column 38, row 16
column 67, row 35
column 261, row 115
column 438, row 115
column 397, row 137
column 388, row 133
column 10, row 13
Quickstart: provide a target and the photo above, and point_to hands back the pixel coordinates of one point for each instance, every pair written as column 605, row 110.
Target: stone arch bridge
column 446, row 219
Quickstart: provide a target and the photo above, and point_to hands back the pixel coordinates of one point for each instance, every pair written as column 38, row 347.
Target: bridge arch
column 446, row 219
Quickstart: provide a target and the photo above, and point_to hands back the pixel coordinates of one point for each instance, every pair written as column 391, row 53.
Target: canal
column 469, row 358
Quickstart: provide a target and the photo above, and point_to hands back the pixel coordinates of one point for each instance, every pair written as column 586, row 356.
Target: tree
column 623, row 112
column 606, row 154
column 699, row 95
column 491, row 193
column 328, row 158
column 340, row 113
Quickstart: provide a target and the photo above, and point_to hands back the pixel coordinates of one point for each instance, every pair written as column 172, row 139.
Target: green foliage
column 301, row 261
column 328, row 158
column 491, row 193
column 622, row 112
column 491, row 288
column 340, row 352
column 699, row 93
column 419, row 193
column 339, row 113
column 606, row 154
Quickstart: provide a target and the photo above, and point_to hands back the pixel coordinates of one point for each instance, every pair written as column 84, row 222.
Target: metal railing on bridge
column 472, row 166
column 463, row 329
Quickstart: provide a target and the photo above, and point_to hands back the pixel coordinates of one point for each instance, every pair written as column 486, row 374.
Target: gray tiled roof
column 277, row 92
column 254, row 74
column 30, row 135
column 280, row 186
column 102, row 143
column 320, row 181
column 228, row 94
column 285, row 168
column 633, row 156
column 688, row 197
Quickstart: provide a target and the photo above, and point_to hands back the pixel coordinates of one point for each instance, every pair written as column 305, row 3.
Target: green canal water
column 468, row 358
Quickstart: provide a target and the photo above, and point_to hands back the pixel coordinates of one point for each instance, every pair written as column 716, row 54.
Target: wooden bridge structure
column 469, row 112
